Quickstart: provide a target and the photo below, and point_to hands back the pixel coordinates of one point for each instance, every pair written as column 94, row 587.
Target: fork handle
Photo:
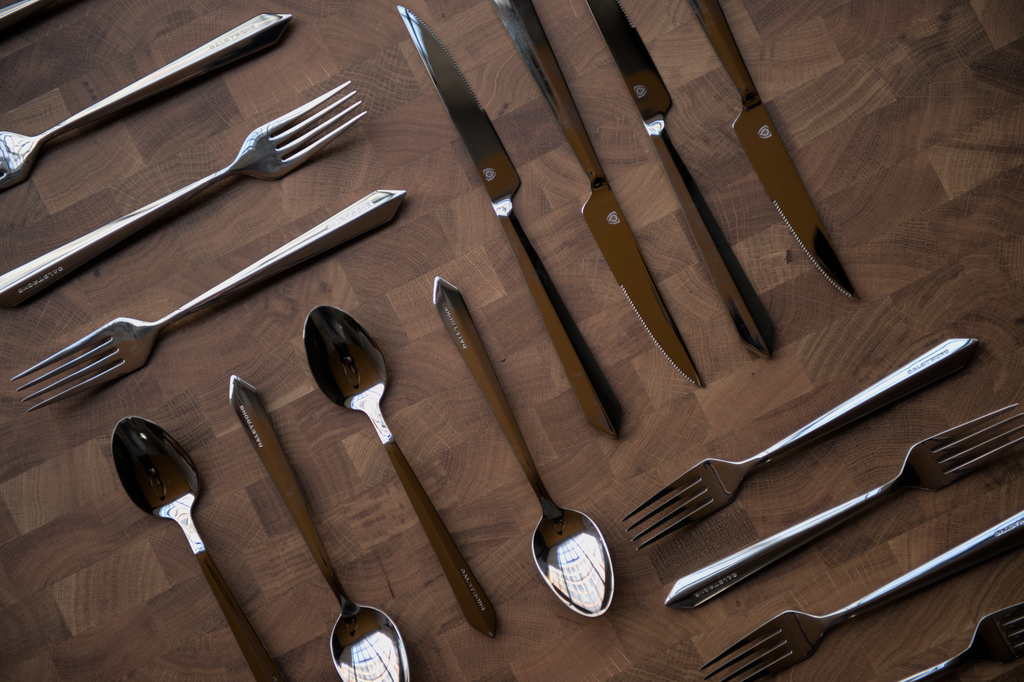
column 374, row 209
column 939, row 670
column 32, row 277
column 259, row 32
column 19, row 10
column 696, row 588
column 996, row 540
column 256, row 655
column 937, row 363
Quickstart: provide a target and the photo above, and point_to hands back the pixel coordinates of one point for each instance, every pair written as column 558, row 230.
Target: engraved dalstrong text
column 479, row 602
column 455, row 327
column 715, row 585
column 45, row 277
column 259, row 443
column 930, row 361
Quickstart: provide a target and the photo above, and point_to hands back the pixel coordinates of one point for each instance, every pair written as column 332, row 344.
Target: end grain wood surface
column 905, row 119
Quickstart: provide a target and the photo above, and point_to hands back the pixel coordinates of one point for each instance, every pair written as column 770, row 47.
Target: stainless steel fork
column 931, row 464
column 123, row 345
column 999, row 638
column 793, row 636
column 270, row 152
column 713, row 483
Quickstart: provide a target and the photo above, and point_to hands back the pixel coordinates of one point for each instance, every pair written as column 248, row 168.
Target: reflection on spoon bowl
column 572, row 556
column 368, row 648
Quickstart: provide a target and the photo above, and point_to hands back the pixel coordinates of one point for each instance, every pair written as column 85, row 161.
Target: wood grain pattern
column 904, row 119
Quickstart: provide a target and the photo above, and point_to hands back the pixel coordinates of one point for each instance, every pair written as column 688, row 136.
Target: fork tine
column 676, row 491
column 301, row 125
column 978, row 460
column 284, row 120
column 685, row 521
column 74, row 362
column 319, row 144
column 763, row 666
column 957, row 431
column 744, row 647
column 75, row 347
column 96, row 380
column 651, row 500
column 78, row 374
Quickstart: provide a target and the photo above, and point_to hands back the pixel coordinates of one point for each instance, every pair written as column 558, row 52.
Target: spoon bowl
column 161, row 479
column 349, row 368
column 572, row 556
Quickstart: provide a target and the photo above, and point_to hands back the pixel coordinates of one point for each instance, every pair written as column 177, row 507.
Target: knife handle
column 591, row 388
column 716, row 28
column 751, row 321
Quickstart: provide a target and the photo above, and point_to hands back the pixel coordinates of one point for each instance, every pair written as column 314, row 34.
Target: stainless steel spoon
column 349, row 368
column 568, row 548
column 161, row 479
column 365, row 644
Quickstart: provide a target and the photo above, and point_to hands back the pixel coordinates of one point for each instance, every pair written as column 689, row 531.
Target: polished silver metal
column 366, row 645
column 123, row 345
column 17, row 11
column 793, row 636
column 270, row 152
column 713, row 483
column 161, row 479
column 18, row 152
column 349, row 367
column 931, row 464
column 999, row 638
column 568, row 548
column 646, row 88
column 601, row 211
column 180, row 511
column 594, row 394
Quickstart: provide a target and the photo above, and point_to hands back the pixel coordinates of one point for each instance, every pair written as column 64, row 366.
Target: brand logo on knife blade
column 490, row 173
column 613, row 218
column 640, row 90
column 764, row 133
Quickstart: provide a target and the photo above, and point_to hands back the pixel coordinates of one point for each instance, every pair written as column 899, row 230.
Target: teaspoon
column 568, row 548
column 365, row 644
column 161, row 479
column 349, row 368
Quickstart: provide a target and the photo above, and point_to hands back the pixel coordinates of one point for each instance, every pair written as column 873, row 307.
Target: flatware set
column 347, row 365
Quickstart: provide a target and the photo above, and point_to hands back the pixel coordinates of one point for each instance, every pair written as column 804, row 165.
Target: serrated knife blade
column 750, row 320
column 499, row 178
column 601, row 211
column 768, row 155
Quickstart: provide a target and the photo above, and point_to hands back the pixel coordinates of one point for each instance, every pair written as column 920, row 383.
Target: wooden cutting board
column 904, row 119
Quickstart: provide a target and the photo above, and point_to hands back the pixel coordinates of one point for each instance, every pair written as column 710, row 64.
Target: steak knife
column 592, row 390
column 768, row 155
column 651, row 97
column 601, row 212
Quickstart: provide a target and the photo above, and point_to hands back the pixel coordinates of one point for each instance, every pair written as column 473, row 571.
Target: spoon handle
column 256, row 655
column 246, row 402
column 474, row 603
column 454, row 313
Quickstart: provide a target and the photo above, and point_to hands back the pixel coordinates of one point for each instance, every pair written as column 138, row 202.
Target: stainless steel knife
column 601, row 212
column 768, row 155
column 753, row 326
column 592, row 390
